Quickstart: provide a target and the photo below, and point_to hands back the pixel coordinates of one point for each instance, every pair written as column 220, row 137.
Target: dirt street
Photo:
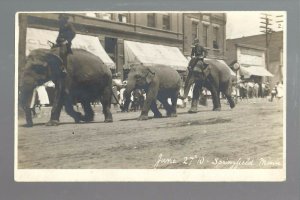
column 249, row 136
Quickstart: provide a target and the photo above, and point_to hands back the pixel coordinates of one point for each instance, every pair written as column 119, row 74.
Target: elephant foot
column 87, row 118
column 158, row 115
column 217, row 109
column 52, row 123
column 172, row 115
column 192, row 110
column 28, row 125
column 108, row 120
column 232, row 105
column 143, row 117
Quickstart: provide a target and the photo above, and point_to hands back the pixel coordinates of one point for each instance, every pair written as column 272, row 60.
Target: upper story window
column 151, row 20
column 205, row 35
column 166, row 22
column 195, row 32
column 107, row 16
column 123, row 18
column 216, row 37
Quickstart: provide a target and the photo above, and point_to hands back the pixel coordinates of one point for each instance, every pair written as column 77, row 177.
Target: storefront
column 151, row 54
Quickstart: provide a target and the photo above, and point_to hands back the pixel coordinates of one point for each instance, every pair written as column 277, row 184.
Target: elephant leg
column 150, row 97
column 195, row 100
column 174, row 98
column 216, row 100
column 227, row 93
column 77, row 116
column 167, row 106
column 57, row 103
column 215, row 95
column 106, row 103
column 155, row 110
column 88, row 111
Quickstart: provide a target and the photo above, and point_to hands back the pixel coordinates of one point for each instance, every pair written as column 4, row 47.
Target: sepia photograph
column 150, row 96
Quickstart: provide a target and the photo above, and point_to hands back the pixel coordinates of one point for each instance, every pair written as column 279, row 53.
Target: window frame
column 205, row 39
column 166, row 27
column 216, row 39
column 154, row 20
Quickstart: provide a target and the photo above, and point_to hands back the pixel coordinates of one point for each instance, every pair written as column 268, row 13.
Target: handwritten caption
column 215, row 162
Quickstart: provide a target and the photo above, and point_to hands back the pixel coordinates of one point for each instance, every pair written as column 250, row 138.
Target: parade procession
column 150, row 90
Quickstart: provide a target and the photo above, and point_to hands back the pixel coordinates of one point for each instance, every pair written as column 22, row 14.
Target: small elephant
column 86, row 81
column 159, row 82
column 213, row 76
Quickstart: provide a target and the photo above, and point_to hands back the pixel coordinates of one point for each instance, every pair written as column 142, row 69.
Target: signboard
column 251, row 57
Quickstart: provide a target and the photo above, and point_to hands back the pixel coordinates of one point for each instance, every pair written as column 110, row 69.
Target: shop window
column 151, row 20
column 205, row 35
column 215, row 37
column 111, row 47
column 107, row 16
column 166, row 22
column 123, row 18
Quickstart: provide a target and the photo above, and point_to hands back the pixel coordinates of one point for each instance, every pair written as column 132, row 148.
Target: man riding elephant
column 64, row 40
column 198, row 54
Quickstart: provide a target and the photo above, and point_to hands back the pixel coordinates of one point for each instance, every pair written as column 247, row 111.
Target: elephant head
column 139, row 77
column 199, row 73
column 41, row 66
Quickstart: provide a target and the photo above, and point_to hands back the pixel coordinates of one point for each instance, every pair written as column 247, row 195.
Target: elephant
column 214, row 77
column 159, row 82
column 88, row 79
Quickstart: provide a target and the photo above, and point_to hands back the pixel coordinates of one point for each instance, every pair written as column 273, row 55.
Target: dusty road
column 249, row 136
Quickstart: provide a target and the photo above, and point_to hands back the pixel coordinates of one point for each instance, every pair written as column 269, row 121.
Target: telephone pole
column 267, row 30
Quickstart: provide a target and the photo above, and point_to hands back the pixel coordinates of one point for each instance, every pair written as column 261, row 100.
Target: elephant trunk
column 187, row 85
column 26, row 98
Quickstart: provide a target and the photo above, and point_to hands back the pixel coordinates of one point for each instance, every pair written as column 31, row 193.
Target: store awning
column 153, row 54
column 220, row 63
column 38, row 38
column 255, row 71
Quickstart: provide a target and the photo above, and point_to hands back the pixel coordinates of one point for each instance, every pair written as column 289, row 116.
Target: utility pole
column 265, row 28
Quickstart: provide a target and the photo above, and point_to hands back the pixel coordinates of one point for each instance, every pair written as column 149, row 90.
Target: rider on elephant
column 198, row 54
column 64, row 39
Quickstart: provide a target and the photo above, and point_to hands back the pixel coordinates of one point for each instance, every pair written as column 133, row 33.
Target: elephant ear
column 54, row 64
column 150, row 75
column 53, row 59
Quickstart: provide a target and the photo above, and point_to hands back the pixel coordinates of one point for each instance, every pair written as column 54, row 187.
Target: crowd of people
column 249, row 90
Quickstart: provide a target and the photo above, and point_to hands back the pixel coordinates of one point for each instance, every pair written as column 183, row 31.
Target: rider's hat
column 196, row 41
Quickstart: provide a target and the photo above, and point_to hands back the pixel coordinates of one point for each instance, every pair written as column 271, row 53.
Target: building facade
column 169, row 29
column 209, row 28
column 256, row 47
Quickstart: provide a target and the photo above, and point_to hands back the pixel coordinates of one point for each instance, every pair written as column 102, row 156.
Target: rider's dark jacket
column 66, row 33
column 198, row 51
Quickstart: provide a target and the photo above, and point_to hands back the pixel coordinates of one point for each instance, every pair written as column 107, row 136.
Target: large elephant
column 87, row 79
column 159, row 82
column 213, row 76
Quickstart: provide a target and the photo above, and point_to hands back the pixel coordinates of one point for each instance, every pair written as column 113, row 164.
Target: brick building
column 255, row 47
column 113, row 29
column 209, row 28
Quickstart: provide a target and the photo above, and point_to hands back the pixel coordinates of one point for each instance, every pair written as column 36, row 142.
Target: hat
column 196, row 41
